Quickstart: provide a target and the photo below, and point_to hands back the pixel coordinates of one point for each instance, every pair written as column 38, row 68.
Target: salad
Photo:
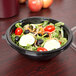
column 41, row 37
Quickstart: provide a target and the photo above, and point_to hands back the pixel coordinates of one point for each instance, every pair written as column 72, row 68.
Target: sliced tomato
column 59, row 41
column 18, row 31
column 49, row 28
column 41, row 49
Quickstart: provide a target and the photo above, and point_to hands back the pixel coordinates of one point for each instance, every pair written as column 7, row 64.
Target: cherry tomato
column 18, row 31
column 49, row 28
column 59, row 41
column 41, row 49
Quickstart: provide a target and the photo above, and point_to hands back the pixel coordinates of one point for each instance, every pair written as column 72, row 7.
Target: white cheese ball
column 52, row 44
column 26, row 39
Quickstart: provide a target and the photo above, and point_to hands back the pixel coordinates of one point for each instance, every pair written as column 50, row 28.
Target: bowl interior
column 39, row 20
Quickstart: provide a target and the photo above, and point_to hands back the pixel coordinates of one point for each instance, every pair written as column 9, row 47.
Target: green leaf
column 34, row 48
column 63, row 41
column 45, row 23
column 55, row 35
column 57, row 28
column 13, row 37
column 18, row 25
column 62, row 32
column 51, row 24
column 21, row 35
column 37, row 26
column 59, row 24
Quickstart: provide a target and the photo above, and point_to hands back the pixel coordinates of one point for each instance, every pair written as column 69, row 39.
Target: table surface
column 14, row 64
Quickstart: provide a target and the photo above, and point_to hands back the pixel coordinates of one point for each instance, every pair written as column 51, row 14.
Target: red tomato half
column 18, row 31
column 59, row 41
column 41, row 49
column 49, row 28
column 35, row 5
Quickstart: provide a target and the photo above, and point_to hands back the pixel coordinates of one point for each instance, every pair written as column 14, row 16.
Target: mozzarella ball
column 52, row 44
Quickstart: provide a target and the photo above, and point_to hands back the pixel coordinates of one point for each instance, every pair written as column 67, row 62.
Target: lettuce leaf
column 45, row 23
column 63, row 41
column 59, row 24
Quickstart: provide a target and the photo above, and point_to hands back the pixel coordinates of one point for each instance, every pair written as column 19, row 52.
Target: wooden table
column 14, row 64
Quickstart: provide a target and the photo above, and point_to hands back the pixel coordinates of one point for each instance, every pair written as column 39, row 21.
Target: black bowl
column 34, row 54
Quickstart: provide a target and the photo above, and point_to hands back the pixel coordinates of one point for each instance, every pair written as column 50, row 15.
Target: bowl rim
column 52, row 51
